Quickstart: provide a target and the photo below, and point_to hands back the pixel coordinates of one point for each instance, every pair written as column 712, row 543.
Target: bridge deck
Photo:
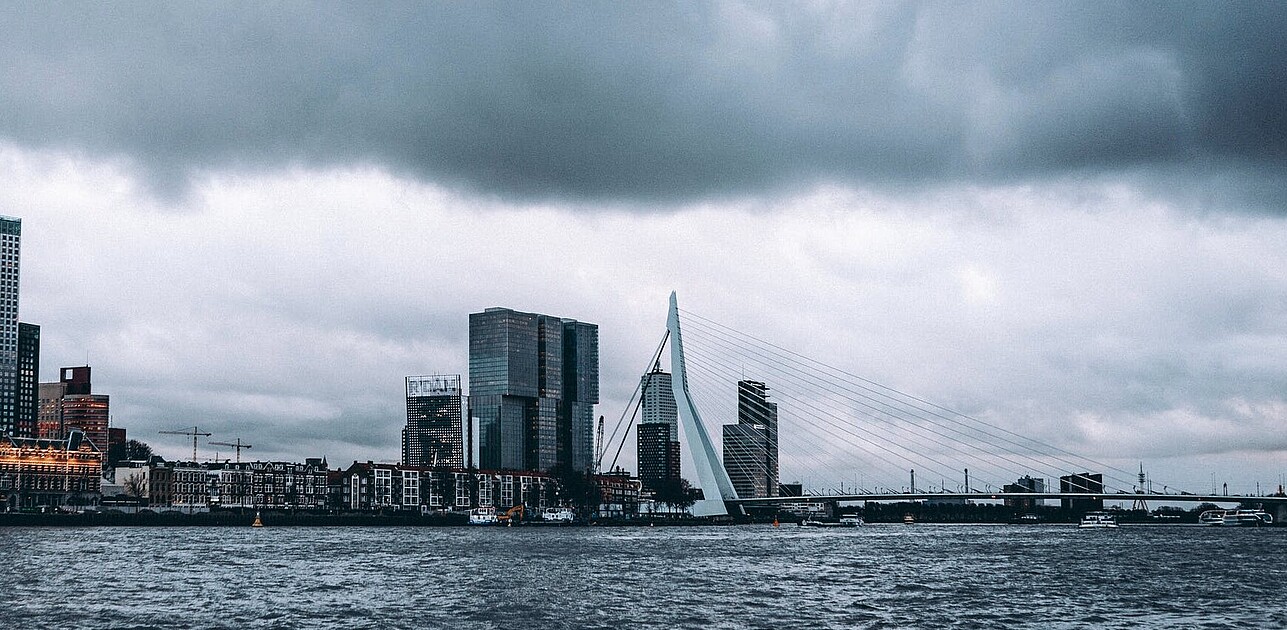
column 1000, row 496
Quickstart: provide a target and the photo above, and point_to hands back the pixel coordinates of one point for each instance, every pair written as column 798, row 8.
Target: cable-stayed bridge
column 753, row 414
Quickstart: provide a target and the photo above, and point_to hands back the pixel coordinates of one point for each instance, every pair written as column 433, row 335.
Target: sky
column 1067, row 218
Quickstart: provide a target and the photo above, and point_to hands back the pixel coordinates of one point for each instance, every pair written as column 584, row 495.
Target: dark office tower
column 516, row 372
column 751, row 445
column 82, row 409
column 28, row 379
column 658, row 431
column 76, row 379
column 434, row 435
column 10, row 239
column 580, row 394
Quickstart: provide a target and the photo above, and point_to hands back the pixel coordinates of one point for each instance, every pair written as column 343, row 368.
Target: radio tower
column 1140, row 504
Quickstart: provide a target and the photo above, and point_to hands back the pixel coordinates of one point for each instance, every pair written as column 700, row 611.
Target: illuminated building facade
column 81, row 409
column 36, row 472
column 434, row 435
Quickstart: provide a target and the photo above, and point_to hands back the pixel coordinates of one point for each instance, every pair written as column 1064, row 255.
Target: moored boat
column 558, row 515
column 483, row 516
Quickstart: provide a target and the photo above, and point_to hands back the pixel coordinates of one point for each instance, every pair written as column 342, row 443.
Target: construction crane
column 194, row 432
column 237, row 445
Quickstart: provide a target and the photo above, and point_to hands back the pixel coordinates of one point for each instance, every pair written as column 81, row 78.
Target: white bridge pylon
column 712, row 478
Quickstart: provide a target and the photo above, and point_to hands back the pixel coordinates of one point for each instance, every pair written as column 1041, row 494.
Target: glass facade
column 751, row 445
column 533, row 382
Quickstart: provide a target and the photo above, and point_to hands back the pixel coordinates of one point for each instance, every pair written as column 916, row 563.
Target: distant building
column 580, row 394
column 36, row 472
column 434, row 434
column 116, row 446
column 1082, row 483
column 71, row 404
column 657, row 436
column 1025, row 484
column 49, row 410
column 28, row 379
column 198, row 487
column 10, row 241
column 533, row 383
column 82, row 409
column 751, row 445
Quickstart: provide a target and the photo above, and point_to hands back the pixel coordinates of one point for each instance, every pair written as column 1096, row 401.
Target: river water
column 879, row 576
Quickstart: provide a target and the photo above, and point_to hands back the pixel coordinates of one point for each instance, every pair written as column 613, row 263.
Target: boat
column 483, row 516
column 1236, row 518
column 852, row 520
column 1211, row 518
column 1098, row 520
column 558, row 515
column 908, row 519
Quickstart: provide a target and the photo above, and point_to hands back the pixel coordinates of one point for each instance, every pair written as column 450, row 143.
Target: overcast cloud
column 1066, row 218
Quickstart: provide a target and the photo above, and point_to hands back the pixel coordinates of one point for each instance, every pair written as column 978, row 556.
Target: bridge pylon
column 712, row 478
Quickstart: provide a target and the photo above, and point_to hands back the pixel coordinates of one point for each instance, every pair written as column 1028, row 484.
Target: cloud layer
column 609, row 102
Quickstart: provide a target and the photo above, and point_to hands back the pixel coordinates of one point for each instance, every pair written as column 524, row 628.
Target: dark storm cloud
column 638, row 102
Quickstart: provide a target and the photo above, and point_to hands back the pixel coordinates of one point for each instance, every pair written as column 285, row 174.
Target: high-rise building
column 658, row 432
column 518, row 363
column 434, row 435
column 28, row 379
column 580, row 394
column 82, row 409
column 10, row 241
column 49, row 410
column 751, row 445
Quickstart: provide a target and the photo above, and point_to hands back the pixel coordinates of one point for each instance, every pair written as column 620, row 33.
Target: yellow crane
column 194, row 432
column 237, row 445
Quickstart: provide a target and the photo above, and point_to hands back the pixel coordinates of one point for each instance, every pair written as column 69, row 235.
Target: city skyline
column 1076, row 234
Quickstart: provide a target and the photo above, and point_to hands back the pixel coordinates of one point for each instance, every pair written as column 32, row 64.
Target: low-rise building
column 37, row 472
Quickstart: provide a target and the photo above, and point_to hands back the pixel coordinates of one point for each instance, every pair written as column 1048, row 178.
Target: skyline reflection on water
column 727, row 577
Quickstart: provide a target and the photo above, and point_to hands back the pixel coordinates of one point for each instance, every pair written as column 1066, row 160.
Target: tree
column 575, row 488
column 137, row 451
column 135, row 484
column 676, row 492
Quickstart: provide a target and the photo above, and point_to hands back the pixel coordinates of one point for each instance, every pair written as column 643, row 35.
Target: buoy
column 775, row 521
column 257, row 523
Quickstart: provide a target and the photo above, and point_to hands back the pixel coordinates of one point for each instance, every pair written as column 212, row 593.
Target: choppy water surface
column 726, row 577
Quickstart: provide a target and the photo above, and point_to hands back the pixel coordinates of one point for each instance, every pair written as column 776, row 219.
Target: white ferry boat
column 483, row 516
column 1236, row 518
column 1098, row 520
column 851, row 520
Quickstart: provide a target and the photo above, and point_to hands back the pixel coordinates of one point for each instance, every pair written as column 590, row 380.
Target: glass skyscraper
column 533, row 383
column 751, row 445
